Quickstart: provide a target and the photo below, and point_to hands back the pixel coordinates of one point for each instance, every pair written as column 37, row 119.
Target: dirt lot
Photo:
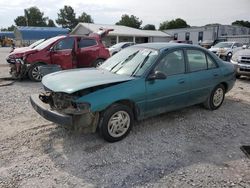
column 192, row 147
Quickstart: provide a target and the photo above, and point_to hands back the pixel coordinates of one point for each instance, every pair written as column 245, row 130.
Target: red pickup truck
column 68, row 51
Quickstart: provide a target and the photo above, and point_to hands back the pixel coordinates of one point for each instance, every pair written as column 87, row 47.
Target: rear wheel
column 116, row 122
column 98, row 62
column 216, row 98
column 34, row 73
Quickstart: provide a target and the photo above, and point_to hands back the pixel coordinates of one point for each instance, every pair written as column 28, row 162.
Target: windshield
column 224, row 45
column 132, row 61
column 34, row 44
column 46, row 43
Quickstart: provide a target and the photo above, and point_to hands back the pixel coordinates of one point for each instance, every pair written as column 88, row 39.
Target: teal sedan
column 139, row 82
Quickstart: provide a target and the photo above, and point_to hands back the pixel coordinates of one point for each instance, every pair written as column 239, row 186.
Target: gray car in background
column 119, row 46
column 225, row 50
column 241, row 60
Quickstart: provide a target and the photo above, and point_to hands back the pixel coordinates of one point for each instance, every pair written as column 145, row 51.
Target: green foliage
column 242, row 23
column 67, row 17
column 149, row 27
column 51, row 23
column 130, row 21
column 20, row 21
column 32, row 17
column 11, row 28
column 173, row 24
column 85, row 18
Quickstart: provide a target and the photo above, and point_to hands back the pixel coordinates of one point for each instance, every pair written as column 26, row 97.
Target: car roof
column 163, row 45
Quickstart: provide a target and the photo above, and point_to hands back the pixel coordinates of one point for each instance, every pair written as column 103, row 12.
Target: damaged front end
column 61, row 108
column 18, row 68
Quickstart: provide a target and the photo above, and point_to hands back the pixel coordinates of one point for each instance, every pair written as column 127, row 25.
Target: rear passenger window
column 87, row 43
column 211, row 64
column 197, row 60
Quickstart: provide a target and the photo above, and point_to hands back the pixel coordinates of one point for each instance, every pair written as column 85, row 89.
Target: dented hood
column 70, row 81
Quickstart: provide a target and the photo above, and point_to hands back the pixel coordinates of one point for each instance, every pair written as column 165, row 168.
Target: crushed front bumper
column 44, row 110
column 85, row 123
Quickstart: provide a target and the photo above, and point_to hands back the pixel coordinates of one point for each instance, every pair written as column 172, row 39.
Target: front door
column 62, row 53
column 170, row 93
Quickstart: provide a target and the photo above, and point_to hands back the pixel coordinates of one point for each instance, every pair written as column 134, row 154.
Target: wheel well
column 33, row 64
column 130, row 104
column 225, row 85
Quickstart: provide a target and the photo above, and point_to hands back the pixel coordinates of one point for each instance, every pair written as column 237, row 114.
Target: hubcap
column 118, row 124
column 36, row 74
column 218, row 97
column 99, row 63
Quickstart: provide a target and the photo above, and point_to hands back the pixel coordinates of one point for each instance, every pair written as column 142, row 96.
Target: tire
column 216, row 98
column 98, row 62
column 34, row 73
column 116, row 117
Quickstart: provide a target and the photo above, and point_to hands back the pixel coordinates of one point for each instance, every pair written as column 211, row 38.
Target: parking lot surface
column 192, row 147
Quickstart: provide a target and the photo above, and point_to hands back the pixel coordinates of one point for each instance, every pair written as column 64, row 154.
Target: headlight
column 64, row 103
column 235, row 59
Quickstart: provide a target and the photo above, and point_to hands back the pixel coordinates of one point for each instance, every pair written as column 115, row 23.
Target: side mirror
column 157, row 75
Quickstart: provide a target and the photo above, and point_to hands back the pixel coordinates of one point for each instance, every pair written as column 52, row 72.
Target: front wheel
column 216, row 98
column 116, row 123
column 34, row 73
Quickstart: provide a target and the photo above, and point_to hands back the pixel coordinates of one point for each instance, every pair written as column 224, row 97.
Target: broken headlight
column 64, row 103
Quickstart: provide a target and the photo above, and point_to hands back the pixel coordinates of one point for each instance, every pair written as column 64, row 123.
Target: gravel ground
column 192, row 147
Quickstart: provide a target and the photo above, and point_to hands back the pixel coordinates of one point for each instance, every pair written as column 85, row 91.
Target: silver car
column 119, row 46
column 241, row 60
column 225, row 50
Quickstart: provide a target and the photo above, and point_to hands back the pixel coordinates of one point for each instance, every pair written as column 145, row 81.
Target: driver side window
column 172, row 63
column 65, row 44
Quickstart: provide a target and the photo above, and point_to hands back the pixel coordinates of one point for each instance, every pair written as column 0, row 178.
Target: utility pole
column 26, row 17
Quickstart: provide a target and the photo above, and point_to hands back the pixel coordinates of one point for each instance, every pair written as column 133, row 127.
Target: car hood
column 216, row 49
column 245, row 52
column 70, row 81
column 22, row 52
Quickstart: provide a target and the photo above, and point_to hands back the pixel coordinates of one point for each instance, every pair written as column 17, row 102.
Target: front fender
column 133, row 90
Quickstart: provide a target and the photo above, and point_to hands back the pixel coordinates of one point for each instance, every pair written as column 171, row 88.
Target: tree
column 32, row 17
column 51, row 23
column 173, row 24
column 67, row 17
column 130, row 21
column 149, row 27
column 242, row 23
column 11, row 28
column 85, row 18
column 20, row 21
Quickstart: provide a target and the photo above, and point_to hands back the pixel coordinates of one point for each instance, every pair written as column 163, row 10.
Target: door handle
column 216, row 75
column 181, row 81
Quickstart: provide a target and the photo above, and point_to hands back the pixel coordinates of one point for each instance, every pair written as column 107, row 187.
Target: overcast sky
column 195, row 12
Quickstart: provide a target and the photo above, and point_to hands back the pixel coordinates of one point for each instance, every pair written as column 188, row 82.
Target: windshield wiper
column 140, row 65
column 123, row 62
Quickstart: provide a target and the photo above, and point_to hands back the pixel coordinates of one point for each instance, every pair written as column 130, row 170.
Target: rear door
column 61, row 53
column 87, row 52
column 172, row 92
column 203, row 73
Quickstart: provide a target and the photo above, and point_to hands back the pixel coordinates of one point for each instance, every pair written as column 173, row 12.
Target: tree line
column 66, row 18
